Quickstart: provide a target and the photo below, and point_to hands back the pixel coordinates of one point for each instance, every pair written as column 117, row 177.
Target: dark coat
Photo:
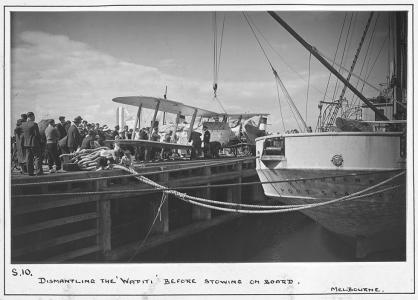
column 74, row 137
column 61, row 130
column 31, row 135
column 86, row 144
column 20, row 151
column 206, row 137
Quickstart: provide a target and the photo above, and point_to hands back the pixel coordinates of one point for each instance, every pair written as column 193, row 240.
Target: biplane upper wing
column 146, row 143
column 169, row 106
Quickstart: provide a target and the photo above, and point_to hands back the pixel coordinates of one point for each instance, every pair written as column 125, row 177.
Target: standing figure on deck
column 206, row 142
column 32, row 145
column 88, row 141
column 52, row 138
column 20, row 149
column 196, row 145
column 61, row 127
column 74, row 137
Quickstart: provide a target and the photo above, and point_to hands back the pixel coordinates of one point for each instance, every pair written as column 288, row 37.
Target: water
column 290, row 237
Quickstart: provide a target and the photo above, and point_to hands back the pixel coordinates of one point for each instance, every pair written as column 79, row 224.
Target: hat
column 105, row 128
column 78, row 119
column 61, row 118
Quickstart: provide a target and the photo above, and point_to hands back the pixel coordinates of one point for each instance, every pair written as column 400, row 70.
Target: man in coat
column 73, row 135
column 52, row 137
column 206, row 142
column 61, row 127
column 32, row 145
column 20, row 150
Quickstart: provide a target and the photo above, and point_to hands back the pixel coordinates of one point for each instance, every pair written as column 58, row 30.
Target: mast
column 400, row 33
column 338, row 104
column 315, row 53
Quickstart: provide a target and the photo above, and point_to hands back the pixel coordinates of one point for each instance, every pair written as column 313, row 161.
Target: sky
column 74, row 63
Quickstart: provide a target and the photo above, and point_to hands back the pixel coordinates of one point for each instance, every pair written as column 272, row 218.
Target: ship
column 348, row 175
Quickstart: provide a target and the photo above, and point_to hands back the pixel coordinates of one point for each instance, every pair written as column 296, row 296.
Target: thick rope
column 187, row 187
column 197, row 200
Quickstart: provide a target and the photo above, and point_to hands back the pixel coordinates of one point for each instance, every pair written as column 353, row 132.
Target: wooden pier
column 107, row 215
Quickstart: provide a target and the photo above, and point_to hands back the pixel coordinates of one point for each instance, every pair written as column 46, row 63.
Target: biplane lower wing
column 146, row 143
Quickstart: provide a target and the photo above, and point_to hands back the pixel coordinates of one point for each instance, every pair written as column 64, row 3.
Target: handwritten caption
column 166, row 281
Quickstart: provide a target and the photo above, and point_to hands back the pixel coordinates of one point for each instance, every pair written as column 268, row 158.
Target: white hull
column 334, row 165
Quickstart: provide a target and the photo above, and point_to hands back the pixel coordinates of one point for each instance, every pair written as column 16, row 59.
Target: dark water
column 290, row 237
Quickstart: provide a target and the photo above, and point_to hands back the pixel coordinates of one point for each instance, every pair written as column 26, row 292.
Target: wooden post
column 234, row 193
column 191, row 124
column 153, row 119
column 137, row 121
column 104, row 222
column 238, row 188
column 202, row 213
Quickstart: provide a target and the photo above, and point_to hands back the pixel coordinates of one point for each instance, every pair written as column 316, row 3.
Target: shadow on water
column 289, row 237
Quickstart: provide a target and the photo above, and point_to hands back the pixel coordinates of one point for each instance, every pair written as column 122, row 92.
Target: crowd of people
column 33, row 142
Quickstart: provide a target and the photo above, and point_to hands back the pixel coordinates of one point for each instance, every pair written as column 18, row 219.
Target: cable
column 163, row 198
column 307, row 90
column 282, row 59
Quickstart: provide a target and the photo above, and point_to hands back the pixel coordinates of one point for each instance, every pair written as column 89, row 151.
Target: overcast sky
column 74, row 63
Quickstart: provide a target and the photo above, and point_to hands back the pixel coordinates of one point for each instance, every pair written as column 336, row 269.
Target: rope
column 282, row 59
column 286, row 93
column 163, row 198
column 258, row 41
column 183, row 187
column 365, row 56
column 335, row 54
column 197, row 200
column 307, row 90
column 280, row 105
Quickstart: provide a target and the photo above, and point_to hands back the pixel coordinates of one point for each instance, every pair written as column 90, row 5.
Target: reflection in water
column 290, row 237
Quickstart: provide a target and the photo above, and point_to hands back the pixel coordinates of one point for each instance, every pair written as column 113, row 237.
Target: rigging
column 217, row 57
column 326, row 64
column 292, row 105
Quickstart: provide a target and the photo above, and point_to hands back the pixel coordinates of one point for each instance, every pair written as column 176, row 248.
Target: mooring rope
column 158, row 213
column 198, row 201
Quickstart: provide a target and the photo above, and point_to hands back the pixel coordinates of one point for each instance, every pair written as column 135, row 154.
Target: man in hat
column 206, row 141
column 115, row 132
column 74, row 137
column 23, row 118
column 32, row 145
column 52, row 137
column 20, row 150
column 61, row 127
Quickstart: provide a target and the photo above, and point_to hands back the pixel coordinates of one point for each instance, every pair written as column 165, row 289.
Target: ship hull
column 362, row 217
column 367, row 166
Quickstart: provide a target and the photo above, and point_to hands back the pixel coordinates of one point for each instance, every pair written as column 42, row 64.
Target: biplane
column 230, row 131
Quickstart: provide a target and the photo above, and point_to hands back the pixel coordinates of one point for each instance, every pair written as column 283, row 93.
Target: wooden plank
column 54, row 242
column 105, row 226
column 72, row 254
column 53, row 223
column 67, row 201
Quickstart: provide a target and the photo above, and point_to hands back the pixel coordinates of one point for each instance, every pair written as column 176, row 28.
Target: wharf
column 107, row 215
